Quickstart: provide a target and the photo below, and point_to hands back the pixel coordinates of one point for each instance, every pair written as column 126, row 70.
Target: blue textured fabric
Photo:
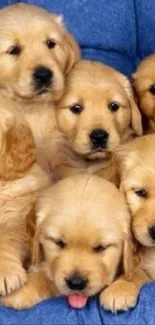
column 145, row 27
column 57, row 312
column 107, row 30
column 119, row 33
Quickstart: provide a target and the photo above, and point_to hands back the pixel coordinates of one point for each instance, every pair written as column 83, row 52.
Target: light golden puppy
column 20, row 181
column 144, row 84
column 97, row 113
column 137, row 169
column 81, row 241
column 36, row 52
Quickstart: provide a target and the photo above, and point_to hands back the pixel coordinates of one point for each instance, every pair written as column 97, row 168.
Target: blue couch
column 57, row 312
column 119, row 33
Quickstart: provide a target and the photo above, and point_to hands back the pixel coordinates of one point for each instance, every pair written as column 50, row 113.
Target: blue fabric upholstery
column 57, row 312
column 145, row 26
column 119, row 33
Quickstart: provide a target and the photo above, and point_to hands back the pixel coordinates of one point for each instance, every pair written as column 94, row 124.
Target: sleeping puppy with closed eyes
column 77, row 252
column 36, row 53
column 97, row 113
column 136, row 162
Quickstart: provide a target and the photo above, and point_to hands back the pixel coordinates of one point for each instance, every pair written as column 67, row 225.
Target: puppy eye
column 113, row 106
column 14, row 50
column 50, row 43
column 99, row 249
column 152, row 89
column 60, row 244
column 141, row 192
column 76, row 108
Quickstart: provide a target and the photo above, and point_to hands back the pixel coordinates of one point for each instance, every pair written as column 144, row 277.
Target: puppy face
column 144, row 83
column 97, row 110
column 137, row 169
column 35, row 53
column 82, row 235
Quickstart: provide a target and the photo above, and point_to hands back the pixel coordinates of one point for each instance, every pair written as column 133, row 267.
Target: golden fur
column 137, row 170
column 94, row 86
column 143, row 80
column 77, row 211
column 20, row 181
column 25, row 31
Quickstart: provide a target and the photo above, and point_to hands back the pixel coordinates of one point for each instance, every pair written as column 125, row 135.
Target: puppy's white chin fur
column 32, row 96
column 98, row 155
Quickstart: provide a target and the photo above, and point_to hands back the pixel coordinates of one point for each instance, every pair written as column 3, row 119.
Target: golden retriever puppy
column 81, row 240
column 137, row 169
column 144, row 84
column 97, row 113
column 20, row 181
column 36, row 52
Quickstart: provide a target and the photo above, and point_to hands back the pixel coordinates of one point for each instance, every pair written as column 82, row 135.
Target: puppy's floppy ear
column 125, row 157
column 128, row 257
column 73, row 51
column 120, row 156
column 136, row 119
column 37, row 253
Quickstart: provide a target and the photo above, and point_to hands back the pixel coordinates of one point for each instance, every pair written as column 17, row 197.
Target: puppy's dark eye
column 76, row 108
column 113, row 106
column 141, row 192
column 14, row 50
column 50, row 43
column 99, row 249
column 60, row 244
column 152, row 89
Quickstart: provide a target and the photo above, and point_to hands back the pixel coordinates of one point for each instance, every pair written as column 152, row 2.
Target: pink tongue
column 77, row 301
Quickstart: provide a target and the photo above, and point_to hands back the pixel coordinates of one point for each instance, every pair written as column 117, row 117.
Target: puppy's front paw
column 20, row 299
column 120, row 295
column 37, row 288
column 12, row 276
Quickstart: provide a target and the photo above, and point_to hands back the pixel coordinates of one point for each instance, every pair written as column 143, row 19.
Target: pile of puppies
column 77, row 175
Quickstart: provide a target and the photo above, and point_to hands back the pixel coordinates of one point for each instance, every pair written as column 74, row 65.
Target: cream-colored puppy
column 36, row 52
column 82, row 239
column 136, row 162
column 97, row 113
column 21, row 179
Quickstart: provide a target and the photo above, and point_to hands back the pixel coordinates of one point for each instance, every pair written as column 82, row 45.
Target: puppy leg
column 13, row 248
column 12, row 274
column 123, row 294
column 37, row 288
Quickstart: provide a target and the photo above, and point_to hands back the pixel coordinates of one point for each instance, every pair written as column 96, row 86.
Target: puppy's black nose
column 152, row 232
column 42, row 76
column 99, row 138
column 76, row 283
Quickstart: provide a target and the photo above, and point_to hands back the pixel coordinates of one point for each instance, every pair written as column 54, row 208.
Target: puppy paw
column 20, row 299
column 12, row 276
column 119, row 296
column 37, row 288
